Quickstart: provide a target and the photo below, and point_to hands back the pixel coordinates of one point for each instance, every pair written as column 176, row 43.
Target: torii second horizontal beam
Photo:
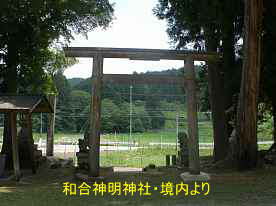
column 133, row 79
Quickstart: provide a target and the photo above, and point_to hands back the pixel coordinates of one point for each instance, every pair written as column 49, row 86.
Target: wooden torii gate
column 99, row 53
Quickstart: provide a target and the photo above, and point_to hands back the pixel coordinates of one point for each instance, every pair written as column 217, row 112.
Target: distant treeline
column 150, row 105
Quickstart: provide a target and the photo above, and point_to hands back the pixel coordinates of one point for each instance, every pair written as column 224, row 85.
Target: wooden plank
column 15, row 155
column 194, row 166
column 132, row 79
column 51, row 127
column 139, row 54
column 31, row 142
column 95, row 118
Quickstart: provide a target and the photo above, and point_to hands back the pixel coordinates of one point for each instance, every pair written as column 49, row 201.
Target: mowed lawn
column 141, row 157
column 227, row 188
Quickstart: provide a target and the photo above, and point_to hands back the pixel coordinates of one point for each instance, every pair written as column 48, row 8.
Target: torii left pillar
column 95, row 117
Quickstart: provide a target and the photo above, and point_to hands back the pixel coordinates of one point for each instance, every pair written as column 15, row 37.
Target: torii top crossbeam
column 139, row 54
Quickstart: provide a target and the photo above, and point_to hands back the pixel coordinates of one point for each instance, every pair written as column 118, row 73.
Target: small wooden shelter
column 26, row 105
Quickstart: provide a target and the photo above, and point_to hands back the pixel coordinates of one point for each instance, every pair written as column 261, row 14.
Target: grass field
column 142, row 157
column 166, row 135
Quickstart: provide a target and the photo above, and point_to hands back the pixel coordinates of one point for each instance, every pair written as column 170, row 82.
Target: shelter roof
column 25, row 104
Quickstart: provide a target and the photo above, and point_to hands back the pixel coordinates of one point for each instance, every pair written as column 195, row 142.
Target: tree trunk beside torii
column 248, row 101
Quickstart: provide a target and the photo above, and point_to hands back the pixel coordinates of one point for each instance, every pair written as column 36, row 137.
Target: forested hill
column 85, row 84
column 151, row 104
column 75, row 81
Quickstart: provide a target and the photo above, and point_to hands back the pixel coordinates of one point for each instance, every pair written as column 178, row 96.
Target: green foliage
column 30, row 27
column 152, row 108
column 74, row 81
column 61, row 85
column 111, row 116
column 198, row 20
column 203, row 89
column 57, row 62
column 265, row 126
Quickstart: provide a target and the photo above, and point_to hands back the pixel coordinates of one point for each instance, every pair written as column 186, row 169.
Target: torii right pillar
column 194, row 173
column 194, row 165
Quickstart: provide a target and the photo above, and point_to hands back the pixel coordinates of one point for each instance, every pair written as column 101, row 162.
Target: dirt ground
column 256, row 187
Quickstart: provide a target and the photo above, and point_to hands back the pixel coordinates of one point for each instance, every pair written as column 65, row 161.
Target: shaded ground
column 227, row 188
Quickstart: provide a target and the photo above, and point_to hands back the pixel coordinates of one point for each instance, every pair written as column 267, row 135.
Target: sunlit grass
column 142, row 157
column 7, row 189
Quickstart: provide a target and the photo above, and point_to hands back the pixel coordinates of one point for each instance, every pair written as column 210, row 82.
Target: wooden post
column 15, row 155
column 194, row 167
column 95, row 117
column 31, row 142
column 168, row 160
column 173, row 160
column 51, row 127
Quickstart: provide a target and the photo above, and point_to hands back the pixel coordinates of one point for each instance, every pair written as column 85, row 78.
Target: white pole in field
column 40, row 124
column 75, row 153
column 130, row 115
column 177, row 129
column 161, row 137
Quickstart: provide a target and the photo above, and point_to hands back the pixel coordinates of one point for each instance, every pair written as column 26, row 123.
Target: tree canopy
column 29, row 27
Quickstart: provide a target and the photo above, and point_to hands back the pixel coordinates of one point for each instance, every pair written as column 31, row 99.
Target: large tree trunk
column 229, row 84
column 7, row 142
column 11, row 81
column 274, row 120
column 217, row 101
column 218, row 111
column 247, row 109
